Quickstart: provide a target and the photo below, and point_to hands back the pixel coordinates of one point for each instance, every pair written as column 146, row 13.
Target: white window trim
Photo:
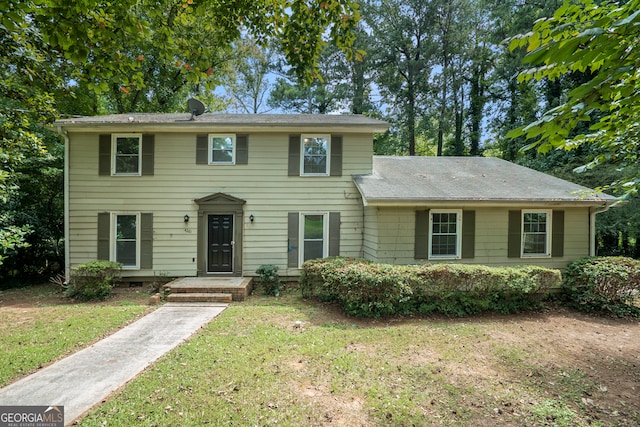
column 113, row 239
column 114, row 139
column 210, row 145
column 458, row 254
column 548, row 233
column 325, row 235
column 328, row 168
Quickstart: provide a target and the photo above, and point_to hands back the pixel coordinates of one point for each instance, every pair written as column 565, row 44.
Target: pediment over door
column 219, row 199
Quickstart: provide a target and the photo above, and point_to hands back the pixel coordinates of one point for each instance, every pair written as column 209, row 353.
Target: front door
column 220, row 244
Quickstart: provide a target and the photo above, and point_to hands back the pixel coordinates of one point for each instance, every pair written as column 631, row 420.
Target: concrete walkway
column 87, row 377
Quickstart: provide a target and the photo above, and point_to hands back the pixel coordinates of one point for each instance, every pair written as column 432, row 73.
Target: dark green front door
column 220, row 244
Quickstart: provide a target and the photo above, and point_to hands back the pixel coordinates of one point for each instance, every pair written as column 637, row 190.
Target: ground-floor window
column 126, row 238
column 536, row 236
column 313, row 233
column 445, row 238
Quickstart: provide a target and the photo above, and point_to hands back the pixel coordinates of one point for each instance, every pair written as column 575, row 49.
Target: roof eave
column 422, row 202
column 177, row 125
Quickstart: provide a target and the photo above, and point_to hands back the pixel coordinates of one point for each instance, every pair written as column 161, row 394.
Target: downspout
column 67, row 261
column 592, row 226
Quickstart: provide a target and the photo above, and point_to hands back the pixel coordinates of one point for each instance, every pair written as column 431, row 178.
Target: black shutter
column 294, row 155
column 104, row 155
column 421, row 246
column 292, row 239
column 242, row 149
column 148, row 149
column 557, row 234
column 202, row 149
column 468, row 234
column 334, row 234
column 104, row 229
column 336, row 155
column 514, row 248
column 146, row 240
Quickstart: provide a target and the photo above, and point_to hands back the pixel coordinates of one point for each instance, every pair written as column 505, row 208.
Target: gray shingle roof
column 405, row 180
column 302, row 121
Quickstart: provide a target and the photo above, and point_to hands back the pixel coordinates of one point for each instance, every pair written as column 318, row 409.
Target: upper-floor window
column 445, row 239
column 315, row 154
column 222, row 149
column 536, row 233
column 126, row 154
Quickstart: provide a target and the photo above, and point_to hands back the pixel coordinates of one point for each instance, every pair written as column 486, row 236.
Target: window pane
column 313, row 249
column 128, row 145
column 313, row 239
column 535, row 243
column 127, row 164
column 443, row 245
column 535, row 233
column 126, row 253
column 222, row 143
column 315, row 155
column 222, row 156
column 126, row 240
column 444, row 237
column 127, row 154
column 313, row 227
column 125, row 227
column 222, row 149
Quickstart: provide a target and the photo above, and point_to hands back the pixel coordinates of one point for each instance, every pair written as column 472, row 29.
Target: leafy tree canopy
column 141, row 53
column 599, row 40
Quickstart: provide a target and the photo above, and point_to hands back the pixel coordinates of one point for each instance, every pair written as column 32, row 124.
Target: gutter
column 67, row 233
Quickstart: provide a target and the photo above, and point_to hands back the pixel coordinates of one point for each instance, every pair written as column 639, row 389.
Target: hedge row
column 369, row 289
column 603, row 284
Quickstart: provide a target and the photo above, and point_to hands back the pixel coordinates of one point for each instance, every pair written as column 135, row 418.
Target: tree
column 599, row 40
column 247, row 82
column 402, row 57
column 452, row 32
column 140, row 53
column 513, row 103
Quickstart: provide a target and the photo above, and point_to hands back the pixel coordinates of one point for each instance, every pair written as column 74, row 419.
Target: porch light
column 251, row 218
column 186, row 218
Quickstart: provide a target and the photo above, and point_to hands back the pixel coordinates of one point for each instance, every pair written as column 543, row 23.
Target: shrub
column 93, row 280
column 269, row 279
column 605, row 284
column 369, row 289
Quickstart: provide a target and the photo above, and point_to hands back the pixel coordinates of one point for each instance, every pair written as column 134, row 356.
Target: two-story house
column 221, row 194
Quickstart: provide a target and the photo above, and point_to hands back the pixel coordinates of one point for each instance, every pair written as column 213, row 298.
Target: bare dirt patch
column 47, row 294
column 556, row 351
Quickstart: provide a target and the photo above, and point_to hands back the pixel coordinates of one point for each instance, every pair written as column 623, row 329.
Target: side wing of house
column 550, row 237
column 216, row 202
column 474, row 210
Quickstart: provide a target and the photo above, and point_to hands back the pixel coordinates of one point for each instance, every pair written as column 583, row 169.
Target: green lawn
column 40, row 326
column 255, row 365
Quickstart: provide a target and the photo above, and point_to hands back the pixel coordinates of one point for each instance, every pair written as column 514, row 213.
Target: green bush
column 603, row 284
column 369, row 289
column 269, row 279
column 93, row 280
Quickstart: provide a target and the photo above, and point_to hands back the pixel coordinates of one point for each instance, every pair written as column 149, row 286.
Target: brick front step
column 237, row 287
column 199, row 297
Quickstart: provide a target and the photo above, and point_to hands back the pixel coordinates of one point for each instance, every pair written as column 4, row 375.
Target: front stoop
column 199, row 297
column 209, row 289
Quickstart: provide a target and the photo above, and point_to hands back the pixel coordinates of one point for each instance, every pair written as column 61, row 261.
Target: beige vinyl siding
column 396, row 228
column 370, row 237
column 269, row 193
